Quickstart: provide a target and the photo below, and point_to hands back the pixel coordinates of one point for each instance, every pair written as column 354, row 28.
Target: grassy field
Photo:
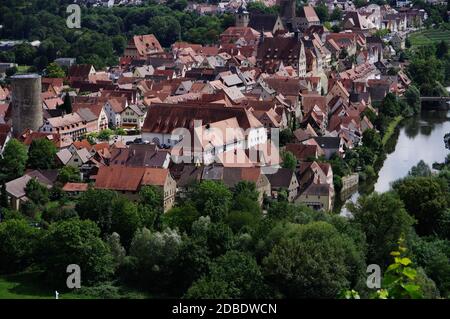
column 427, row 37
column 24, row 286
column 391, row 129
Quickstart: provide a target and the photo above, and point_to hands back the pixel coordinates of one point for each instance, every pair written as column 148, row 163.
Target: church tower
column 242, row 17
column 287, row 13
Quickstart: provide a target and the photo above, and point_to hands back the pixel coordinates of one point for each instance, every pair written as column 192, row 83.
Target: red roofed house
column 129, row 180
column 141, row 46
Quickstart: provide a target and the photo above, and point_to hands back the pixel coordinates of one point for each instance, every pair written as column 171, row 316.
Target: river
column 418, row 138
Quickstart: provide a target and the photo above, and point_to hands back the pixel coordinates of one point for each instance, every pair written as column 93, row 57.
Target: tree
column 426, row 199
column 421, row 169
column 336, row 15
column 234, row 275
column 390, row 106
column 433, row 255
column 211, row 198
column 91, row 205
column 18, row 244
column 311, row 261
column 218, row 237
column 156, row 256
column 125, row 219
column 42, row 154
column 67, row 105
column 69, row 174
column 442, row 49
column 117, row 251
column 53, row 70
column 11, row 71
column 322, row 12
column 181, row 217
column 289, row 160
column 75, row 242
column 412, row 96
column 383, row 218
column 14, row 160
column 372, row 139
column 105, row 134
column 286, row 136
column 36, row 192
column 166, row 28
column 152, row 197
column 4, row 201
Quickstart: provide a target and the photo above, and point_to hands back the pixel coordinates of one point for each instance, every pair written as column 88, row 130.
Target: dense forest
column 104, row 32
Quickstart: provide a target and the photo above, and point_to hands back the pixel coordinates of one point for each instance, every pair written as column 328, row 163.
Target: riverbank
column 367, row 183
column 391, row 129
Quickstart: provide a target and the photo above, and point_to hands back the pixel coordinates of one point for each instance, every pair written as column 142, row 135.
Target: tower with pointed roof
column 242, row 17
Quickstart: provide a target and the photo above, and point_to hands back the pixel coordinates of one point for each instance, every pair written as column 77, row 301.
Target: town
column 296, row 103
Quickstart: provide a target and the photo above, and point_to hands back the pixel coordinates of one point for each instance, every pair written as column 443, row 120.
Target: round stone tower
column 26, row 102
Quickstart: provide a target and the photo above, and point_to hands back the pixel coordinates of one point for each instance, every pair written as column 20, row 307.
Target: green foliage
column 390, row 106
column 36, row 192
column 211, row 198
column 400, row 278
column 286, row 136
column 289, row 160
column 69, row 174
column 322, row 11
column 256, row 7
column 426, row 199
column 412, row 96
column 75, row 242
column 153, row 259
column 42, row 154
column 434, row 256
column 181, row 217
column 53, row 70
column 383, row 219
column 421, row 169
column 18, row 245
column 310, row 262
column 233, row 275
column 67, row 105
column 336, row 14
column 15, row 157
column 105, row 134
column 372, row 139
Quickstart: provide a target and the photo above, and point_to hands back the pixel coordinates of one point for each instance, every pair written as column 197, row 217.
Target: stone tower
column 242, row 17
column 26, row 102
column 287, row 10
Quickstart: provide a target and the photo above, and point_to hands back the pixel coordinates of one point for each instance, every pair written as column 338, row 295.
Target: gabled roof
column 309, row 13
column 17, row 187
column 282, row 178
column 155, row 176
column 120, row 178
column 164, row 118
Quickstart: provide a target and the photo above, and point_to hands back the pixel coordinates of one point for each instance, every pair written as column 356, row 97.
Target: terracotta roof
column 144, row 43
column 164, row 118
column 155, row 176
column 310, row 100
column 233, row 175
column 120, row 178
column 75, row 187
column 309, row 13
column 80, row 70
column 303, row 152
